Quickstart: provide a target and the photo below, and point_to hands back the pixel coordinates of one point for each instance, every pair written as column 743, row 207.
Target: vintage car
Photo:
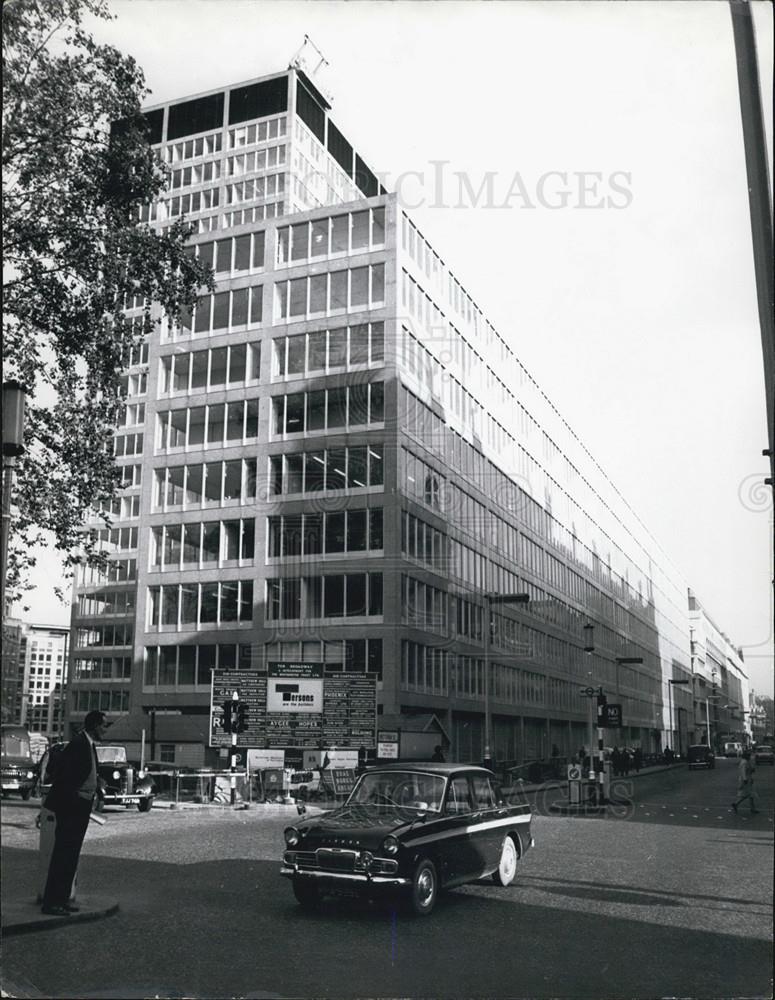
column 118, row 781
column 763, row 754
column 700, row 755
column 409, row 829
column 17, row 769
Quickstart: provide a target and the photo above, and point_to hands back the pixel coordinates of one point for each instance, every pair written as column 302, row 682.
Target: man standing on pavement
column 745, row 781
column 70, row 799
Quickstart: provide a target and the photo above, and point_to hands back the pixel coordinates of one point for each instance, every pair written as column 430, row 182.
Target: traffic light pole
column 600, row 764
column 233, row 777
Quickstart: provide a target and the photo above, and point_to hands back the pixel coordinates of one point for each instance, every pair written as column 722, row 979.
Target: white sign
column 260, row 760
column 574, row 772
column 387, row 750
column 294, row 694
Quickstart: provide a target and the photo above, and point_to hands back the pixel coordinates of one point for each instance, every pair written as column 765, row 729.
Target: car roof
column 428, row 766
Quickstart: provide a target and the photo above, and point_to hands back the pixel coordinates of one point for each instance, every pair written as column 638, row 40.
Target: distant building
column 337, row 460
column 44, row 652
column 12, row 675
column 720, row 690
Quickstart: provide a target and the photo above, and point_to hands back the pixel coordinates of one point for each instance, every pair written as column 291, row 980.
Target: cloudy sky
column 580, row 167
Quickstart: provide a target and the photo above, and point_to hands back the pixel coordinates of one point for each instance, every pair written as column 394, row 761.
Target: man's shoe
column 55, row 911
column 734, row 806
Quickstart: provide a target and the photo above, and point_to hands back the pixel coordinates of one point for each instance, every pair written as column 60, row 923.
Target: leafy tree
column 77, row 170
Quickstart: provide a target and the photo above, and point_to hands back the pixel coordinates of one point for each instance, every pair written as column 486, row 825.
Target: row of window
column 105, row 667
column 336, row 595
column 93, row 700
column 216, row 425
column 332, row 469
column 329, row 350
column 202, row 544
column 332, row 292
column 423, row 605
column 127, row 444
column 339, row 234
column 191, row 664
column 196, row 201
column 114, row 571
column 349, row 655
column 255, row 161
column 321, row 533
column 266, row 186
column 325, row 409
column 239, row 307
column 105, row 635
column 424, row 542
column 217, row 368
column 209, row 484
column 233, row 254
column 106, row 602
column 205, row 145
column 247, row 135
column 254, row 213
column 216, row 603
column 199, row 173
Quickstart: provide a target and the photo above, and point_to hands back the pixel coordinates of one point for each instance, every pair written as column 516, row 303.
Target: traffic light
column 242, row 717
column 227, row 716
column 602, row 702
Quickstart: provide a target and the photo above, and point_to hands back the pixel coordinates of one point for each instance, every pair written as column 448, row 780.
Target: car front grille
column 336, row 861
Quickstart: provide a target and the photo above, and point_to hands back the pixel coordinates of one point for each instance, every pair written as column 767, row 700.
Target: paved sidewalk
column 21, row 916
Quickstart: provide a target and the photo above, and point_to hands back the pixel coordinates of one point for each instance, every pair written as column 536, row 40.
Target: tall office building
column 338, row 459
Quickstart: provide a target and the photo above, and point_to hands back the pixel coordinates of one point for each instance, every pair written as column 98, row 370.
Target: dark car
column 117, row 780
column 763, row 754
column 700, row 755
column 17, row 769
column 411, row 829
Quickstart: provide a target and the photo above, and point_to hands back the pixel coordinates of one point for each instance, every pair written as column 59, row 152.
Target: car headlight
column 390, row 844
column 116, row 775
column 30, row 774
column 292, row 836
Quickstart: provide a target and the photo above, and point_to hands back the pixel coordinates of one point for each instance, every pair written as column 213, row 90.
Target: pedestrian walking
column 71, row 797
column 746, row 770
column 637, row 759
column 626, row 761
column 616, row 762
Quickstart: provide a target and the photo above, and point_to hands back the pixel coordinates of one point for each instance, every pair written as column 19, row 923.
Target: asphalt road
column 674, row 898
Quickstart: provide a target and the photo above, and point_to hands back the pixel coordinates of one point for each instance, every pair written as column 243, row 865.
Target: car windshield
column 407, row 789
column 111, row 755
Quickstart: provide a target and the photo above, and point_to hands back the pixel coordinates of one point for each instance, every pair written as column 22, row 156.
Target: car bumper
column 353, row 881
column 17, row 784
column 125, row 800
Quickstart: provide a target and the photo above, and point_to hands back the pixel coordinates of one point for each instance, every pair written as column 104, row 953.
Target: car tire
column 25, row 793
column 145, row 805
column 506, row 871
column 306, row 892
column 425, row 888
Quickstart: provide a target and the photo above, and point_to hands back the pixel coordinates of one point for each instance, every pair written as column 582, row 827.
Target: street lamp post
column 13, row 447
column 670, row 684
column 491, row 599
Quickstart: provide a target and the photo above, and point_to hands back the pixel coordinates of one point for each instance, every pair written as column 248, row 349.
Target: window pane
column 188, row 602
column 239, row 307
column 335, row 533
column 196, row 426
column 356, row 594
column 180, row 378
column 238, row 356
column 172, row 545
column 294, row 413
column 334, row 596
column 336, row 471
column 291, row 598
column 191, row 534
column 316, row 410
column 215, row 422
column 319, row 238
column 218, row 367
column 375, row 528
column 199, row 370
column 283, row 245
column 375, row 467
column 292, row 535
column 242, row 253
column 248, row 546
column 377, row 411
column 375, row 593
column 251, row 418
column 378, row 283
column 209, row 611
column 296, row 347
column 337, row 407
column 274, row 535
column 377, row 226
column 338, row 295
column 314, row 471
column 360, row 229
column 169, row 605
column 298, row 305
column 359, row 344
column 167, row 661
column 213, row 484
column 317, row 351
column 356, row 530
column 258, row 249
column 313, row 533
column 246, row 602
column 340, row 225
column 257, row 303
column 359, row 286
column 235, row 422
column 356, row 468
column 317, row 293
column 359, row 398
column 377, row 341
column 211, row 534
column 337, row 347
column 299, row 241
column 220, row 310
column 293, row 474
column 187, row 664
column 232, row 485
column 231, row 539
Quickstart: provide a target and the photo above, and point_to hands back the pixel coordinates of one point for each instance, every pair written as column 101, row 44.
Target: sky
column 580, row 167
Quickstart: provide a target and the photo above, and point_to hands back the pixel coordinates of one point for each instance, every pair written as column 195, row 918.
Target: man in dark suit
column 70, row 799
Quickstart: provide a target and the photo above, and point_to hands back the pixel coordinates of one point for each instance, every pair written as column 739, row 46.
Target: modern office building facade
column 337, row 458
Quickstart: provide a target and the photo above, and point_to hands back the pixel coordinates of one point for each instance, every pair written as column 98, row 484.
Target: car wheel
column 144, row 805
column 507, row 866
column 25, row 793
column 306, row 892
column 425, row 888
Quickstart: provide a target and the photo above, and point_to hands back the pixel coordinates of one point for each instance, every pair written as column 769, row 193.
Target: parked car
column 733, row 749
column 700, row 755
column 17, row 768
column 118, row 781
column 411, row 829
column 764, row 754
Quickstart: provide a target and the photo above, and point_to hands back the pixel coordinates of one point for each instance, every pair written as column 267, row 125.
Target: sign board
column 612, row 717
column 574, row 772
column 387, row 751
column 297, row 705
column 260, row 760
column 343, row 779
